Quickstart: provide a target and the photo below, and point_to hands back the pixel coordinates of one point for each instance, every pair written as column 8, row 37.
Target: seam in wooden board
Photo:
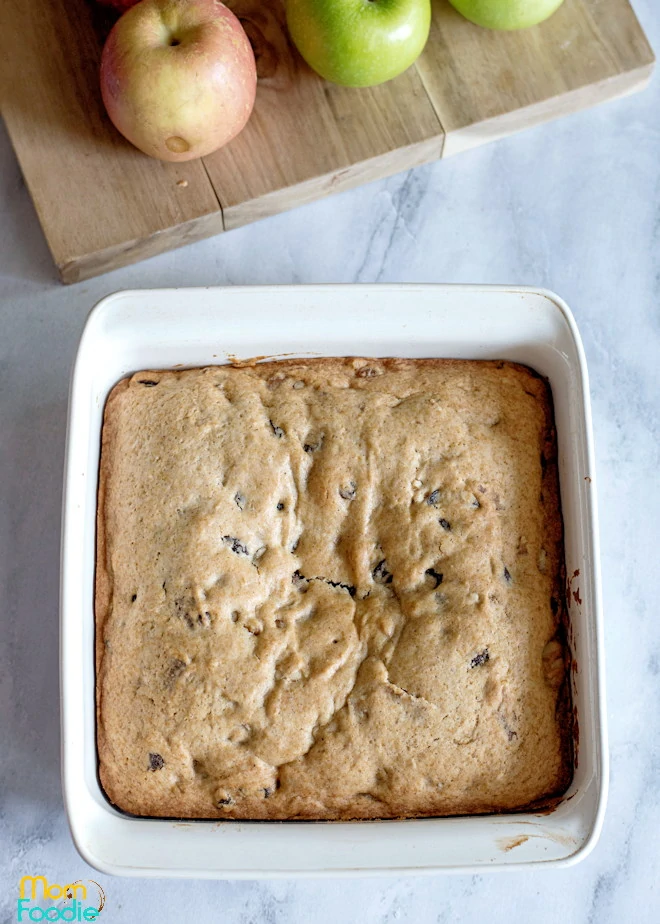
column 107, row 254
column 440, row 135
column 541, row 112
column 619, row 72
column 443, row 131
column 215, row 193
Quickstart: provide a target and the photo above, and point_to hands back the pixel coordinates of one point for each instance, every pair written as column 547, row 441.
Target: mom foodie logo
column 75, row 900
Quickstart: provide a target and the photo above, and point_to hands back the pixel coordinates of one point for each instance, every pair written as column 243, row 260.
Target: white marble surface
column 574, row 206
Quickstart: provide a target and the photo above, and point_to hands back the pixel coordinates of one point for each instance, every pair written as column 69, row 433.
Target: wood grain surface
column 485, row 84
column 103, row 204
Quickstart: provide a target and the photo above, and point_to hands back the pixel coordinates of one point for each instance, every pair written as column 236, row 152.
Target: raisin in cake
column 331, row 589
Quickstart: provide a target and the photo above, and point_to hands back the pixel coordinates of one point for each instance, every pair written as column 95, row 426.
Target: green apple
column 359, row 43
column 506, row 14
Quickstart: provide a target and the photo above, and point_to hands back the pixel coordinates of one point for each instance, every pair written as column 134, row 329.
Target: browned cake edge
column 551, row 500
column 102, row 576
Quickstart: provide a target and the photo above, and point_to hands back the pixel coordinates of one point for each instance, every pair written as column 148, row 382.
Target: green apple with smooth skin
column 506, row 14
column 359, row 43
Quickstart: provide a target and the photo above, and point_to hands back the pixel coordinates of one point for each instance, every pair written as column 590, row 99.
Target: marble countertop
column 575, row 207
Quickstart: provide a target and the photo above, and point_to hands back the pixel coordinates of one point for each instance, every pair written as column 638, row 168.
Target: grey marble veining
column 574, row 206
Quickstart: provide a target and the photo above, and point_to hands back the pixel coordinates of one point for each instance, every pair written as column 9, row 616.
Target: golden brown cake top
column 330, row 589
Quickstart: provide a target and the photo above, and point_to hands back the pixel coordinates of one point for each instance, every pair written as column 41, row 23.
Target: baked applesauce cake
column 331, row 589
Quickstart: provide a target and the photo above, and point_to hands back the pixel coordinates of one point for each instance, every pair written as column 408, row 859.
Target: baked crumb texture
column 331, row 589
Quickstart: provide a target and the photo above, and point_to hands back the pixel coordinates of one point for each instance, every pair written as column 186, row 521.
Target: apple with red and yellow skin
column 178, row 77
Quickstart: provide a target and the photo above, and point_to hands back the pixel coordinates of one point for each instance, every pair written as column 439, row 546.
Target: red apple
column 178, row 77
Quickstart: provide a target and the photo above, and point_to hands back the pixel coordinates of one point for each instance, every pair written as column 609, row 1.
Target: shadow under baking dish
column 162, row 329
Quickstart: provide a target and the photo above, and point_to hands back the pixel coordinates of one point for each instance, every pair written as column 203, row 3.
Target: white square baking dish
column 147, row 329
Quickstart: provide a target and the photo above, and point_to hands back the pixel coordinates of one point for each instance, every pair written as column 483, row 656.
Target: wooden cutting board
column 103, row 204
